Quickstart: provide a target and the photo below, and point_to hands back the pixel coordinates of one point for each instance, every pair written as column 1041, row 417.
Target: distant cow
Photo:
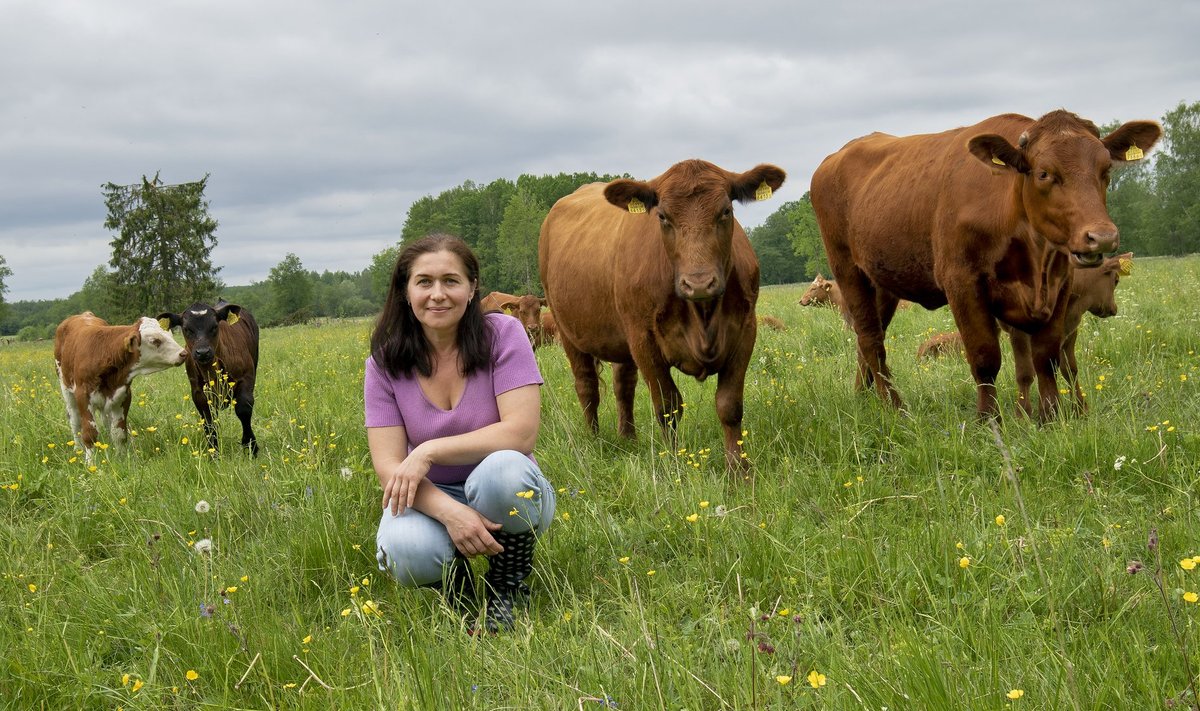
column 772, row 323
column 96, row 366
column 526, row 308
column 825, row 292
column 549, row 327
column 984, row 218
column 653, row 275
column 222, row 345
column 941, row 344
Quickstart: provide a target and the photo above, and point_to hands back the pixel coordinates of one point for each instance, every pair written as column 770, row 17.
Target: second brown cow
column 653, row 275
column 984, row 218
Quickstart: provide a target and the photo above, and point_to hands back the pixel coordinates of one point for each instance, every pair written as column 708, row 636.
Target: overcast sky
column 320, row 122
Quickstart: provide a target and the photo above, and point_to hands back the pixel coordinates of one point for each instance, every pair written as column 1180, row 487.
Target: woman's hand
column 471, row 532
column 401, row 488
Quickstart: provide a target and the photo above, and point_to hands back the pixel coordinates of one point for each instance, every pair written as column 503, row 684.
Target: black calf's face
column 199, row 326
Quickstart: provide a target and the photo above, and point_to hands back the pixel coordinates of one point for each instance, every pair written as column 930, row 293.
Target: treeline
column 1155, row 202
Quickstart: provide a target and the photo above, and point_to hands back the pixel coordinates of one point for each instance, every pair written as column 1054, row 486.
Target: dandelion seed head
column 202, row 507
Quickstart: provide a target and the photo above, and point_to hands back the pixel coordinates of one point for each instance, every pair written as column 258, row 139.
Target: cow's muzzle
column 203, row 356
column 700, row 287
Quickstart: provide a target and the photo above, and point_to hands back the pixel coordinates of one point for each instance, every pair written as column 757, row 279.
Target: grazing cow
column 222, row 361
column 96, row 366
column 985, row 219
column 941, row 344
column 822, row 292
column 772, row 323
column 664, row 279
column 492, row 301
column 527, row 308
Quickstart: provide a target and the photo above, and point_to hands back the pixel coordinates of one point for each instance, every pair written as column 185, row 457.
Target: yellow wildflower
column 964, row 562
column 1000, row 520
column 783, row 680
column 1015, row 694
column 192, row 675
column 1190, row 596
column 815, row 679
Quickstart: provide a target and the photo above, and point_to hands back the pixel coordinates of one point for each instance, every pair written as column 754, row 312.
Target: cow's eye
column 664, row 220
column 726, row 213
column 1043, row 176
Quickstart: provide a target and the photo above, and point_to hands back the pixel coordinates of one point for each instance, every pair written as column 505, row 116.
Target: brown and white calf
column 96, row 365
column 222, row 362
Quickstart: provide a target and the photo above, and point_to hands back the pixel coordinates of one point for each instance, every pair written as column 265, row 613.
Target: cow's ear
column 229, row 313
column 997, row 153
column 507, row 305
column 758, row 183
column 132, row 341
column 542, row 302
column 168, row 320
column 632, row 195
column 1131, row 140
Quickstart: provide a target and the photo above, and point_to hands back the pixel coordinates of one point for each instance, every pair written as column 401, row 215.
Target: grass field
column 879, row 559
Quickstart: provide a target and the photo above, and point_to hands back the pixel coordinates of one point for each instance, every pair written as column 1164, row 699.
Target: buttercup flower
column 1000, row 520
column 1190, row 596
column 192, row 675
column 964, row 562
column 1188, row 563
column 783, row 680
column 1015, row 694
column 815, row 679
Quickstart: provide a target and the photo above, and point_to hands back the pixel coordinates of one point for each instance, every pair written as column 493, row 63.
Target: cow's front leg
column 587, row 383
column 1047, row 346
column 731, row 386
column 243, row 405
column 200, row 400
column 665, row 396
column 981, row 341
column 116, row 411
column 1023, row 363
column 1070, row 371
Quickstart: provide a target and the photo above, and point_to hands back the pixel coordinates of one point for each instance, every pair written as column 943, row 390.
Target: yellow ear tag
column 1134, row 153
column 232, row 318
column 636, row 207
column 764, row 192
column 1126, row 267
column 997, row 161
column 165, row 323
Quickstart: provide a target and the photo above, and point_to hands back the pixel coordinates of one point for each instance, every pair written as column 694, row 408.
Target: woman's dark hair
column 398, row 342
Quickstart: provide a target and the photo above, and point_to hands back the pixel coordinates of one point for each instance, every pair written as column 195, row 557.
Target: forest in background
column 1154, row 202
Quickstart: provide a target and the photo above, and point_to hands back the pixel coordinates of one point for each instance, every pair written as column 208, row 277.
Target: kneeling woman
column 453, row 409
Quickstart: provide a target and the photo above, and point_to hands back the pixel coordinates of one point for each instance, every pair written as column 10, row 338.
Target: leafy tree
column 776, row 262
column 5, row 273
column 805, row 236
column 161, row 255
column 517, row 245
column 1176, row 217
column 380, row 272
column 291, row 288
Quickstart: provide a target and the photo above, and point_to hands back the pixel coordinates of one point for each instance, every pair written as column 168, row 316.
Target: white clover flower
column 1119, row 463
column 347, row 473
column 204, row 546
column 202, row 507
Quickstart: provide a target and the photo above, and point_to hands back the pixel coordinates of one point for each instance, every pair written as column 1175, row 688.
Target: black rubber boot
column 505, row 578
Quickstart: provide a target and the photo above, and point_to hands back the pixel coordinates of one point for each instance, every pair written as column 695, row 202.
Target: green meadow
column 878, row 559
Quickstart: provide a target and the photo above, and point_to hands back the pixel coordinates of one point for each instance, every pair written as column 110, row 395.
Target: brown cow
column 772, row 322
column 825, row 292
column 526, row 308
column 549, row 327
column 96, row 366
column 985, row 219
column 664, row 279
column 941, row 344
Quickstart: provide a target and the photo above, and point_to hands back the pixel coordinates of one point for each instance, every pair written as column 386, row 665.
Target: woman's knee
column 508, row 488
column 412, row 554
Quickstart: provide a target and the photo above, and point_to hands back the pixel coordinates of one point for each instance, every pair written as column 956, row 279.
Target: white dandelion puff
column 347, row 473
column 202, row 507
column 204, row 546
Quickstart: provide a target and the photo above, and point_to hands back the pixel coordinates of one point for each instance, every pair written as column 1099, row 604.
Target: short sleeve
column 379, row 397
column 513, row 362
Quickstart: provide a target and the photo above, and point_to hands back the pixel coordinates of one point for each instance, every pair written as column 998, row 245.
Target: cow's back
column 237, row 345
column 897, row 198
column 584, row 243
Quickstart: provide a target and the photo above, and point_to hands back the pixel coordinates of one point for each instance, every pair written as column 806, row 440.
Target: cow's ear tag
column 165, row 323
column 231, row 319
column 997, row 161
column 763, row 192
column 1134, row 153
column 1126, row 267
column 636, row 207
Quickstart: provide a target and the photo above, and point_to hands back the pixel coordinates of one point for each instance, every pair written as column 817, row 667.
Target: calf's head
column 528, row 310
column 155, row 347
column 199, row 324
column 1064, row 165
column 693, row 205
column 1096, row 288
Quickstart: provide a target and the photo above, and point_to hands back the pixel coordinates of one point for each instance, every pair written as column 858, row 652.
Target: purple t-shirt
column 400, row 402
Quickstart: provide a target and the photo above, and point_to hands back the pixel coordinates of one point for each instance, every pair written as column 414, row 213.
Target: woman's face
column 438, row 291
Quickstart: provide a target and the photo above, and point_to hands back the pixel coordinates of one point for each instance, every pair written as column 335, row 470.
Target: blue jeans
column 415, row 548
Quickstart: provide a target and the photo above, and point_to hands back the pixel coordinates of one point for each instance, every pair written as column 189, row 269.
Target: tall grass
column 867, row 548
